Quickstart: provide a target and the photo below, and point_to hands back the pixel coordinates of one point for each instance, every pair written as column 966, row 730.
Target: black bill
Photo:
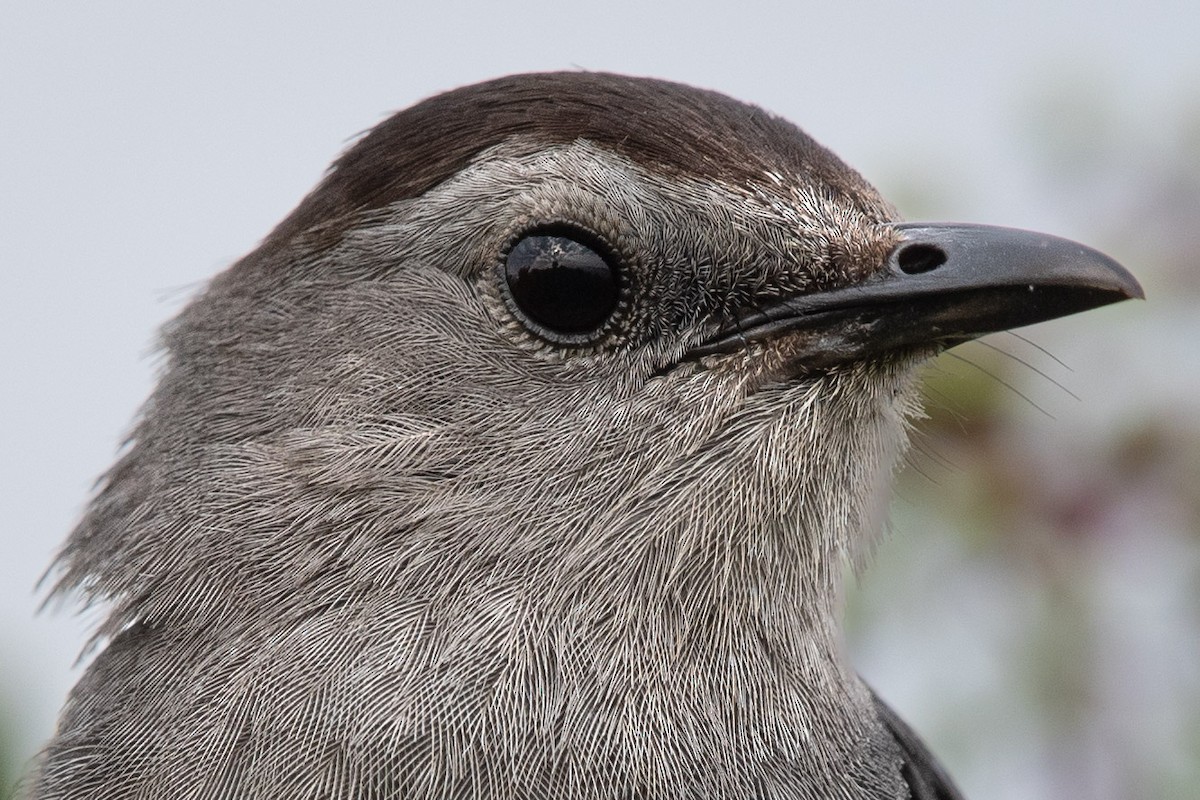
column 944, row 283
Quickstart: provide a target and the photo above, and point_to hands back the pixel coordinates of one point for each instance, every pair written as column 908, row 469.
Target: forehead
column 663, row 127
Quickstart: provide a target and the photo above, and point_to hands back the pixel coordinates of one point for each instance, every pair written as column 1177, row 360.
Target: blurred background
column 1035, row 610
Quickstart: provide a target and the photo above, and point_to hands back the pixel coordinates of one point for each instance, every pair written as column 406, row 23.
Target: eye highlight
column 565, row 285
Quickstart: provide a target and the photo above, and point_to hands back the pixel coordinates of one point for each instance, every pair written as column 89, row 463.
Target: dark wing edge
column 925, row 777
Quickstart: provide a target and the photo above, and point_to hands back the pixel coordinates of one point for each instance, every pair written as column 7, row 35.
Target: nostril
column 914, row 259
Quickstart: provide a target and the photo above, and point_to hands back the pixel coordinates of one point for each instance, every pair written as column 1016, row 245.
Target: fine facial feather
column 373, row 539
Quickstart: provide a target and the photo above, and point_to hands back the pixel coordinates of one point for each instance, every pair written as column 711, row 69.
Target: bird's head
column 554, row 377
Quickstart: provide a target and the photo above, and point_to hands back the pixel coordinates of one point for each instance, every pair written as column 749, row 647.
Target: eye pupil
column 561, row 284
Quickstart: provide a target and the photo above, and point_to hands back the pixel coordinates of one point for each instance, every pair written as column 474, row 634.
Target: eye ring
column 563, row 281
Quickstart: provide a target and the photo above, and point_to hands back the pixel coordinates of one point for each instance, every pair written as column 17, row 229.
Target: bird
column 524, row 459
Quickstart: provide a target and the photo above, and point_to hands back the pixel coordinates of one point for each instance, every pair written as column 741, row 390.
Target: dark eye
column 562, row 284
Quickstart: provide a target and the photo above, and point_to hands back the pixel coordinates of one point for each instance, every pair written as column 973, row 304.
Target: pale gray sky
column 145, row 146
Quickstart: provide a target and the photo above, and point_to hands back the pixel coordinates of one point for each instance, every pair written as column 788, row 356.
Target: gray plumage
column 377, row 536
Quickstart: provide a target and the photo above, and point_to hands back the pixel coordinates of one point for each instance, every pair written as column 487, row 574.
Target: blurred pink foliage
column 1039, row 597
